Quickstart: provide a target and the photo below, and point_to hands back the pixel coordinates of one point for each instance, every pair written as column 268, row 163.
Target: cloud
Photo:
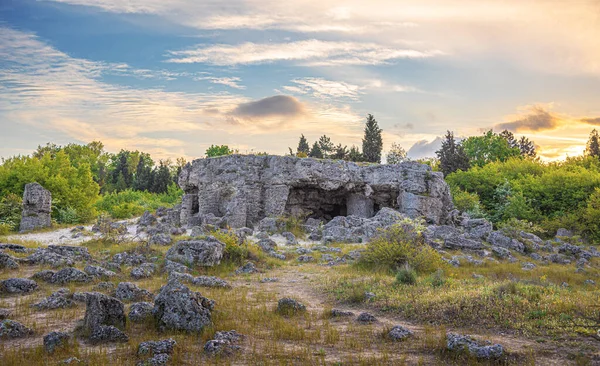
column 275, row 106
column 308, row 53
column 232, row 82
column 538, row 119
column 591, row 121
column 325, row 89
column 424, row 149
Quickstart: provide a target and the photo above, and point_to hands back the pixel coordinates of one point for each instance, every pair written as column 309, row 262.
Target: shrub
column 294, row 224
column 10, row 212
column 128, row 203
column 235, row 252
column 6, row 227
column 399, row 245
column 67, row 215
column 467, row 202
column 437, row 279
column 406, row 276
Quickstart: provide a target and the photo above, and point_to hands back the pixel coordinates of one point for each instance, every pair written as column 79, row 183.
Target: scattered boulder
column 528, row 266
column 269, row 279
column 58, row 255
column 160, row 239
column 247, row 268
column 98, row 272
column 497, row 238
column 302, row 251
column 37, row 207
column 462, row 343
column 289, row 306
column 18, row 286
column 337, row 313
column 53, row 340
column 70, row 274
column 267, row 245
column 269, row 225
column 57, row 300
column 127, row 291
column 366, row 318
column 305, row 258
column 477, row 228
column 156, row 347
column 201, row 252
column 104, row 286
column 501, row 252
column 171, row 266
column 461, row 242
column 140, row 311
column 108, row 333
column 223, row 343
column 210, row 281
column 103, row 310
column 13, row 247
column 13, row 329
column 399, row 333
column 290, row 238
column 128, row 259
column 144, row 270
column 156, row 360
column 569, row 249
column 176, row 307
column 564, row 233
column 147, row 219
column 7, row 262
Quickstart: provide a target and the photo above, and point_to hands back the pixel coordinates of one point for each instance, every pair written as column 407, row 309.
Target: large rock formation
column 246, row 189
column 37, row 206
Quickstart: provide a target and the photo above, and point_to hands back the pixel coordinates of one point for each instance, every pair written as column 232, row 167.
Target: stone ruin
column 37, row 207
column 243, row 189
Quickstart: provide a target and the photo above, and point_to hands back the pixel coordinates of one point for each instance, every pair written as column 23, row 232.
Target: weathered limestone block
column 244, row 189
column 37, row 206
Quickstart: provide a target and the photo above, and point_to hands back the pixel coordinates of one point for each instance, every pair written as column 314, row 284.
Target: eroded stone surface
column 37, row 207
column 243, row 190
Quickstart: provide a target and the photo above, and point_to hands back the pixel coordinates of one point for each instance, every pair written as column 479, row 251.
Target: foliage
column 325, row 145
column 340, row 152
column 406, row 276
column 396, row 155
column 593, row 144
column 513, row 227
column 488, row 148
column 452, row 156
column 10, row 212
column 372, row 143
column 71, row 186
column 303, row 146
column 399, row 245
column 467, row 202
column 591, row 216
column 218, row 150
column 67, row 215
column 234, row 252
column 128, row 203
column 316, row 151
column 355, row 155
column 526, row 146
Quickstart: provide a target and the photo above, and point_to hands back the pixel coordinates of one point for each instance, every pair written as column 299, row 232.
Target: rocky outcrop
column 37, row 207
column 17, row 286
column 463, row 343
column 203, row 252
column 53, row 340
column 103, row 310
column 13, row 329
column 245, row 189
column 178, row 308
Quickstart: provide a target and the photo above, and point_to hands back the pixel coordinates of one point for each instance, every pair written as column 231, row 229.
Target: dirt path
column 302, row 285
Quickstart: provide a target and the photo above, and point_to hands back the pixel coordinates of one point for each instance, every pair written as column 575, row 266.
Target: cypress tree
column 372, row 142
column 303, row 146
column 316, row 152
column 452, row 156
column 593, row 145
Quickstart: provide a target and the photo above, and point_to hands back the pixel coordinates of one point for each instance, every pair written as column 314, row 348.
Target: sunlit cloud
column 309, row 53
column 232, row 82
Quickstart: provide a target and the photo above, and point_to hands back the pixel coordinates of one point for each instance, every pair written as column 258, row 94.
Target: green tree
column 487, row 148
column 526, row 146
column 316, row 151
column 326, row 146
column 372, row 141
column 144, row 175
column 396, row 155
column 162, row 178
column 593, row 144
column 303, row 146
column 355, row 155
column 452, row 156
column 218, row 150
column 340, row 152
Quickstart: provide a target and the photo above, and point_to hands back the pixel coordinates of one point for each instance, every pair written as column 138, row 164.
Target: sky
column 173, row 77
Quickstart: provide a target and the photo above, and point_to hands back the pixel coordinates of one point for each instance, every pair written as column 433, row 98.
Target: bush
column 6, row 227
column 437, row 279
column 467, row 202
column 399, row 245
column 68, row 215
column 128, row 203
column 235, row 252
column 10, row 212
column 406, row 276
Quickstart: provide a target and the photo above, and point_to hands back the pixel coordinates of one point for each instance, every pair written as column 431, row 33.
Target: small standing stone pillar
column 37, row 206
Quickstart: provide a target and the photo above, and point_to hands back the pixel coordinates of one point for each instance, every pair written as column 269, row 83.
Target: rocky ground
column 144, row 292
